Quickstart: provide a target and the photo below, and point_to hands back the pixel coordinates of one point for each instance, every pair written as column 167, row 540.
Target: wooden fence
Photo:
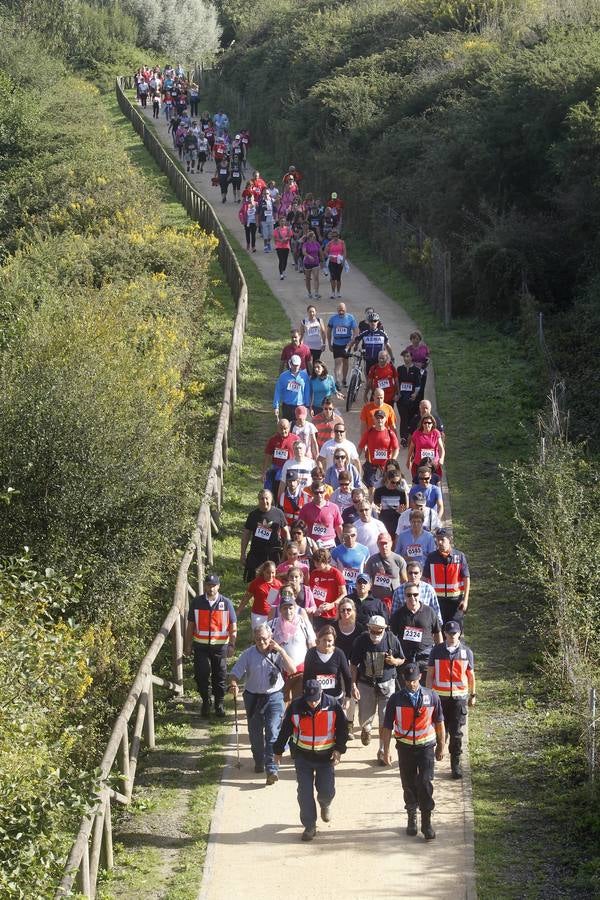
column 93, row 845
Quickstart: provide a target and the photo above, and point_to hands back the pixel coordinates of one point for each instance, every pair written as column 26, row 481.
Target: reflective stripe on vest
column 291, row 508
column 316, row 732
column 446, row 579
column 212, row 626
column 450, row 677
column 414, row 727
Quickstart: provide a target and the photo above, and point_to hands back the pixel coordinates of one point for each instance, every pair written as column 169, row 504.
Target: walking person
column 414, row 716
column 282, row 236
column 247, row 216
column 212, row 629
column 262, row 666
column 335, row 250
column 313, row 256
column 318, row 730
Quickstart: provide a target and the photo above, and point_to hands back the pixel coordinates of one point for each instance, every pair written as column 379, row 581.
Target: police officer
column 451, row 674
column 212, row 628
column 318, row 730
column 414, row 716
column 447, row 571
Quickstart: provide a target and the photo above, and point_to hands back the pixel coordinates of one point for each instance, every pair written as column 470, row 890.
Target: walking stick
column 237, row 731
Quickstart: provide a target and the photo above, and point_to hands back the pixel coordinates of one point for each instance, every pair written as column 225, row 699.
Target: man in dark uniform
column 212, row 628
column 265, row 529
column 318, row 729
column 414, row 716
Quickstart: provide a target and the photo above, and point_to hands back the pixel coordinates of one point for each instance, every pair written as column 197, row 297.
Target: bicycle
column 356, row 379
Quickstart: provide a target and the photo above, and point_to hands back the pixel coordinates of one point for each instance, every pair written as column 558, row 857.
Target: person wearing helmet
column 374, row 340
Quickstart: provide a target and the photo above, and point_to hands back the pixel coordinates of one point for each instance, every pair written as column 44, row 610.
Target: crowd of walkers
column 356, row 593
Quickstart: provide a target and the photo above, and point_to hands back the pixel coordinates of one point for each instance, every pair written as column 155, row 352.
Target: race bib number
column 350, row 574
column 223, row 171
column 319, row 530
column 280, row 453
column 263, row 532
column 325, row 544
column 327, row 682
column 383, row 383
column 294, row 386
column 406, row 387
column 341, row 331
column 427, row 454
column 320, row 594
column 383, row 581
column 413, row 634
column 413, row 550
column 380, row 455
column 313, row 330
column 221, row 604
column 272, row 596
column 390, row 502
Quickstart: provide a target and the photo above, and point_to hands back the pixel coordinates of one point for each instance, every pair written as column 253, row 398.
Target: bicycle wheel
column 352, row 391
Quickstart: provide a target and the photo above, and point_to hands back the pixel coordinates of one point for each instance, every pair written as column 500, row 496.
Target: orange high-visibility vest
column 212, row 626
column 446, row 579
column 450, row 677
column 415, row 726
column 314, row 732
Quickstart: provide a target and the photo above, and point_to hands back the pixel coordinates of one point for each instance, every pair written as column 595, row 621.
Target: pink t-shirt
column 282, row 237
column 284, row 567
column 321, row 522
column 425, row 445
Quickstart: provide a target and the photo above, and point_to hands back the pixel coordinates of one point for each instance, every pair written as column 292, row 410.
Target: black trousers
column 449, row 610
column 455, row 716
column 406, row 410
column 416, row 773
column 210, row 663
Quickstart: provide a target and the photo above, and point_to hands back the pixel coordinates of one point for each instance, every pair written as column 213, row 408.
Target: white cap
column 295, row 360
column 376, row 622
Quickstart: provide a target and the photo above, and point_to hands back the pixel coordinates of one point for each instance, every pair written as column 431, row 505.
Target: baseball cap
column 411, row 671
column 302, row 410
column 295, row 360
column 364, row 578
column 380, row 414
column 419, row 498
column 291, row 474
column 286, row 600
column 452, row 627
column 443, row 532
column 376, row 622
column 212, row 579
column 312, row 689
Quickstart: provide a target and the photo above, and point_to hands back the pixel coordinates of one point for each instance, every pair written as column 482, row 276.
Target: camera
column 273, row 674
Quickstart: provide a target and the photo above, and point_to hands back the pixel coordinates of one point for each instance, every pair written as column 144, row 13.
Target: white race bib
column 350, row 574
column 319, row 530
column 380, row 455
column 294, row 386
column 427, row 454
column 406, row 386
column 383, row 383
column 414, row 550
column 390, row 502
column 320, row 593
column 341, row 330
column 327, row 682
column 412, row 634
column 272, row 596
column 280, row 453
column 263, row 532
column 383, row 581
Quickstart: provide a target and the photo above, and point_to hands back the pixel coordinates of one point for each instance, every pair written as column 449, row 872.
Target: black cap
column 291, row 474
column 443, row 532
column 212, row 579
column 411, row 672
column 312, row 689
column 452, row 627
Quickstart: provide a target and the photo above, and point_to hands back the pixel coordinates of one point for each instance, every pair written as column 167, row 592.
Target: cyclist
column 374, row 340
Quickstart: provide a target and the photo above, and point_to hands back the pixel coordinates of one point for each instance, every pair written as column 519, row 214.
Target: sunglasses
column 340, row 456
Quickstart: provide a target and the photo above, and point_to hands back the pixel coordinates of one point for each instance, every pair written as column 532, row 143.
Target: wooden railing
column 93, row 845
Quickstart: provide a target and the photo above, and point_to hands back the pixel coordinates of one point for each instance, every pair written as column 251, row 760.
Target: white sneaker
column 281, row 277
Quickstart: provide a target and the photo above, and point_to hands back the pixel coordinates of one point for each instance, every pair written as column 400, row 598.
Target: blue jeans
column 264, row 712
column 310, row 774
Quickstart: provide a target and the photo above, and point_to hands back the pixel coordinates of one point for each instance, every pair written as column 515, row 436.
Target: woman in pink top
column 336, row 251
column 282, row 236
column 313, row 255
column 426, row 443
column 291, row 559
column 420, row 357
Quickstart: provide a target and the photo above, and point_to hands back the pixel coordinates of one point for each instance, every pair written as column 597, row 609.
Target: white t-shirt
column 303, row 468
column 368, row 532
column 305, row 432
column 430, row 523
column 329, row 448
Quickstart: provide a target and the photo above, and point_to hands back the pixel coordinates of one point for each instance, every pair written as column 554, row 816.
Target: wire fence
column 93, row 846
column 389, row 232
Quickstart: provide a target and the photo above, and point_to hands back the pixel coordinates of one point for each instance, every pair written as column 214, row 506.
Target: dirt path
column 256, row 829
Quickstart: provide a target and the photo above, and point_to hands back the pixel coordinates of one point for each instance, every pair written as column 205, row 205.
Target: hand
column 277, row 759
column 472, row 701
column 439, row 752
column 391, row 660
column 387, row 757
column 463, row 605
column 335, row 758
column 355, row 692
column 234, row 689
column 273, row 647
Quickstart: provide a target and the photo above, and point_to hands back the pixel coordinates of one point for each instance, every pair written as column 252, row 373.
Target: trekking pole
column 237, row 731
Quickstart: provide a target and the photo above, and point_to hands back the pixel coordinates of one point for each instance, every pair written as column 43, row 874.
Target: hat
column 334, row 196
column 376, row 622
column 379, row 414
column 443, row 532
column 237, row 137
column 212, row 579
column 291, row 474
column 286, row 600
column 312, row 689
column 452, row 627
column 419, row 497
column 295, row 360
column 366, row 579
column 302, row 410
column 411, row 672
